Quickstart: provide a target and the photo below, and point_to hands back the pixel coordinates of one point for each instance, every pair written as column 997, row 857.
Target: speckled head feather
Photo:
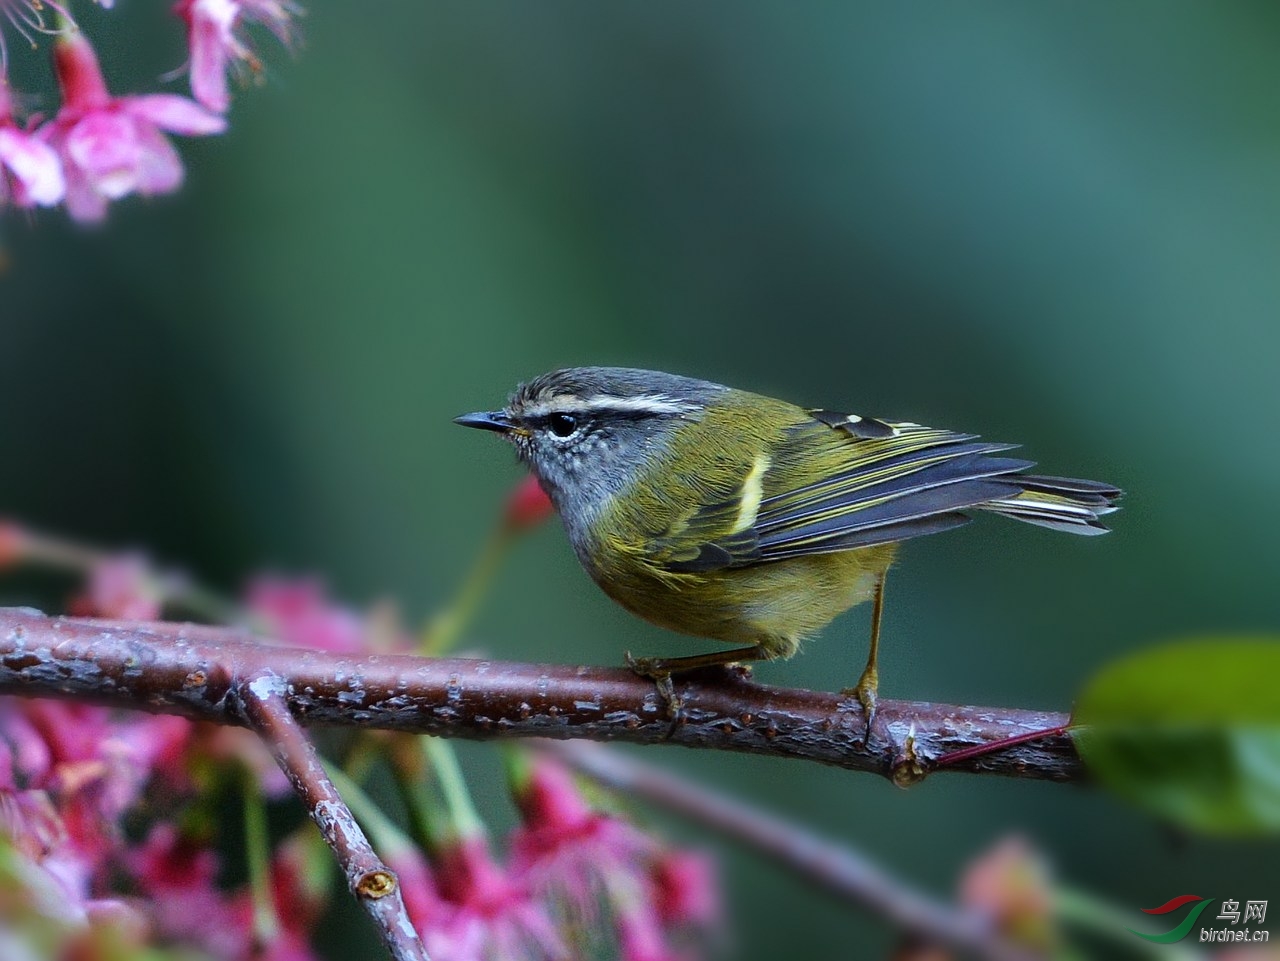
column 617, row 389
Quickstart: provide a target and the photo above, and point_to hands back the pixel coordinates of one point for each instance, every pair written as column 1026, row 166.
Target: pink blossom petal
column 34, row 164
column 104, row 145
column 29, row 822
column 178, row 873
column 275, row 15
column 72, row 732
column 55, row 887
column 159, row 167
column 287, row 946
column 212, row 41
column 174, row 113
column 685, row 885
column 640, row 937
column 83, row 202
column 209, row 75
column 123, row 587
column 298, row 613
column 25, row 755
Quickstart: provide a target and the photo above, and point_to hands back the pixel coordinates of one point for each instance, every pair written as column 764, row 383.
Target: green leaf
column 1191, row 732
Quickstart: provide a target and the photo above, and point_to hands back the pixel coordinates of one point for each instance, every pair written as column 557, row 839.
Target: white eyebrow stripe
column 641, row 403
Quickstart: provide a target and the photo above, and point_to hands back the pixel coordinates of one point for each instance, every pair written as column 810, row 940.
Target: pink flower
column 113, row 146
column 528, row 505
column 37, row 888
column 28, row 820
column 297, row 613
column 215, row 39
column 300, row 890
column 285, row 946
column 29, row 169
column 422, row 899
column 89, row 767
column 686, row 888
column 487, row 912
column 25, row 755
column 124, row 587
column 1013, row 885
column 568, row 851
column 567, row 847
column 13, row 539
column 178, row 874
column 300, row 883
column 640, row 938
column 168, row 862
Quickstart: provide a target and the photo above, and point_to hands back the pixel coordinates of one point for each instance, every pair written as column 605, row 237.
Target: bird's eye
column 562, row 425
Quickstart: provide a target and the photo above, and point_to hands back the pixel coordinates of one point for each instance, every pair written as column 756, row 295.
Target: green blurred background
column 1048, row 223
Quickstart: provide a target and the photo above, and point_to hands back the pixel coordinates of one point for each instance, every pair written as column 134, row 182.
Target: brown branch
column 374, row 885
column 193, row 671
column 849, row 875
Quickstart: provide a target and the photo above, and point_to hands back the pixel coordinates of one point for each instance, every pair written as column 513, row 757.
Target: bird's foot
column 650, row 667
column 865, row 692
column 657, row 670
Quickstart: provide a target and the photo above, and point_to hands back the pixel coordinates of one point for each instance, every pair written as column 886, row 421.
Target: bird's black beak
column 495, row 420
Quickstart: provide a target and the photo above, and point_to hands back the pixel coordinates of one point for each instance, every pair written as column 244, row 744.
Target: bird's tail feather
column 1060, row 503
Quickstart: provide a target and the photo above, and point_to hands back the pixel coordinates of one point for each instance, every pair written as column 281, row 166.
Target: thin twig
column 191, row 670
column 841, row 870
column 263, row 702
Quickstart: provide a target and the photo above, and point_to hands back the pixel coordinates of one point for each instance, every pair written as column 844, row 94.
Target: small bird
column 729, row 515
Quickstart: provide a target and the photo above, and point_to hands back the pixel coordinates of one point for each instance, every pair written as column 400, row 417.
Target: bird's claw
column 650, row 667
column 865, row 692
column 656, row 670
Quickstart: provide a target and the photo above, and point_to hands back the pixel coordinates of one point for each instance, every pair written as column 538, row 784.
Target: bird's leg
column 655, row 667
column 869, row 683
column 660, row 669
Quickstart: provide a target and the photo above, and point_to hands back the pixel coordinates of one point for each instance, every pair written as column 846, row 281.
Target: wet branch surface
column 203, row 673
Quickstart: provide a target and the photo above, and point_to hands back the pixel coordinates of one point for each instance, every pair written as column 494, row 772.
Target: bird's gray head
column 584, row 431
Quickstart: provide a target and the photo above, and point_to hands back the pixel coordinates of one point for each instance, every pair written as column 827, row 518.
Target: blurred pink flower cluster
column 109, row 825
column 587, row 861
column 577, row 883
column 97, row 147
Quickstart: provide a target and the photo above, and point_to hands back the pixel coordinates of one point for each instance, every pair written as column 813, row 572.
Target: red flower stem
column 190, row 670
column 849, row 875
column 981, row 750
column 265, row 707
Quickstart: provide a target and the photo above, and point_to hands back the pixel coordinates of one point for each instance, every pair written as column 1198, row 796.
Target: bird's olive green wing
column 720, row 531
column 837, row 482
